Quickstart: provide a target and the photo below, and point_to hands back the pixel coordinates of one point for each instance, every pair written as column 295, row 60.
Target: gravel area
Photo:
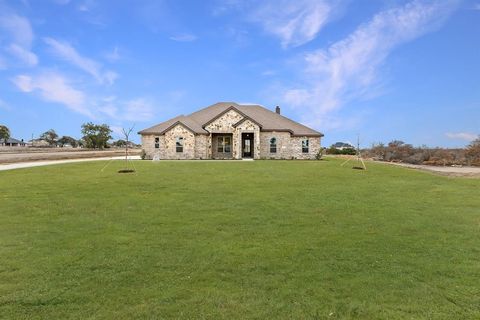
column 464, row 171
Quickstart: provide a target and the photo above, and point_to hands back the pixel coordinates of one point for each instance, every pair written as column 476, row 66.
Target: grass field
column 238, row 240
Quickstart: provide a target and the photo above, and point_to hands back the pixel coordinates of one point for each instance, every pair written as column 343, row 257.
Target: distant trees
column 333, row 150
column 4, row 133
column 50, row 136
column 119, row 143
column 67, row 140
column 96, row 136
column 399, row 151
column 473, row 152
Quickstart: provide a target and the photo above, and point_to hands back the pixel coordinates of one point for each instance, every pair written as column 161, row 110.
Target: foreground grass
column 235, row 240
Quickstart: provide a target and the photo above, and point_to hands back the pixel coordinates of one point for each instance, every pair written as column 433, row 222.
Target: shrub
column 143, row 154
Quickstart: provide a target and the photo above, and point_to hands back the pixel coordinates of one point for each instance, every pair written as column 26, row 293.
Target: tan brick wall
column 188, row 143
column 148, row 144
column 246, row 126
column 201, row 146
column 296, row 147
column 283, row 145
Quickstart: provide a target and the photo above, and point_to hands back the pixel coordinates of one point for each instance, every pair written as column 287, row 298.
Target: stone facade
column 203, row 146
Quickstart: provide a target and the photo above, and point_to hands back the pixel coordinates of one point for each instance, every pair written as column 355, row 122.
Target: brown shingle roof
column 268, row 120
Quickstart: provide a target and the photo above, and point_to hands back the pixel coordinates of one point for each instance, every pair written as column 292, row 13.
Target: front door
column 247, row 145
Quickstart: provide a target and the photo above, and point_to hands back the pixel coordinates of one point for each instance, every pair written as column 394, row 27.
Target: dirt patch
column 470, row 172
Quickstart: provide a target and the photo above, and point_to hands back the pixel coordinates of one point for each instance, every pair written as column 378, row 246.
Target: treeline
column 399, row 151
column 94, row 136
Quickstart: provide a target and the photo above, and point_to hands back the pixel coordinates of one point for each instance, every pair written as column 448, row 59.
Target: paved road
column 14, row 157
column 20, row 165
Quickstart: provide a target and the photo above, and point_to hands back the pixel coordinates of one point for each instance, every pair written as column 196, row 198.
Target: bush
column 143, row 154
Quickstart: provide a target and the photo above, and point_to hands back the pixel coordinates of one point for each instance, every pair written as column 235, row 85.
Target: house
column 12, row 142
column 39, row 143
column 228, row 130
column 342, row 145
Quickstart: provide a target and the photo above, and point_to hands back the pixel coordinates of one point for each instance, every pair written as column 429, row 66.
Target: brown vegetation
column 399, row 151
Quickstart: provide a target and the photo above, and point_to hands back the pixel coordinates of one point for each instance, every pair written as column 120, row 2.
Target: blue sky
column 384, row 69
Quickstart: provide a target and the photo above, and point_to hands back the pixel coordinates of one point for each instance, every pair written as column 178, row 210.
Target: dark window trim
column 273, row 146
column 222, row 146
column 179, row 148
column 305, row 146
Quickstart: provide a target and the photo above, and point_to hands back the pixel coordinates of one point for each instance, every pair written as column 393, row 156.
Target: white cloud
column 137, row 110
column 54, row 87
column 184, row 37
column 294, row 22
column 19, row 28
column 26, row 56
column 467, row 136
column 476, row 6
column 349, row 68
column 18, row 32
column 68, row 53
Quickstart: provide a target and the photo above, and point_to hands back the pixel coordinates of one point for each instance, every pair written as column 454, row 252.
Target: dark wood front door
column 247, row 145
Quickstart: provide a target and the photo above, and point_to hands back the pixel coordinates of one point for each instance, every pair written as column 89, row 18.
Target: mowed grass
column 238, row 240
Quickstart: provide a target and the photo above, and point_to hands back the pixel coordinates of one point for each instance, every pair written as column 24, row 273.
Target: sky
column 380, row 70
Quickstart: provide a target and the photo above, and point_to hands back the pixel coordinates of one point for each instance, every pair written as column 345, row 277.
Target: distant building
column 342, row 145
column 12, row 142
column 38, row 143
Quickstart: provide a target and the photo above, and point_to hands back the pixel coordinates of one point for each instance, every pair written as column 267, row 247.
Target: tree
column 119, row 143
column 50, row 136
column 96, row 136
column 473, row 152
column 4, row 133
column 68, row 140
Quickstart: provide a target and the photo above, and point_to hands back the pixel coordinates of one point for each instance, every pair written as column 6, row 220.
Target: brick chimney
column 277, row 109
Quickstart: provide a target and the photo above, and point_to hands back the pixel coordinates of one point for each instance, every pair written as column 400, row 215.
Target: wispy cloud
column 68, row 53
column 349, row 68
column 184, row 37
column 113, row 56
column 18, row 32
column 293, row 22
column 467, row 136
column 54, row 87
column 139, row 109
column 19, row 28
column 24, row 55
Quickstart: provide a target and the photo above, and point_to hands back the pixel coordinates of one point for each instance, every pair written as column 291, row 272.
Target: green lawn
column 238, row 240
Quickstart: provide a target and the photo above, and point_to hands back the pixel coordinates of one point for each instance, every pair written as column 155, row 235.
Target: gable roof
column 266, row 119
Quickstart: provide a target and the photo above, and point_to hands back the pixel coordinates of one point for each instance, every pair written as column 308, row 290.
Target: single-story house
column 342, row 145
column 12, row 142
column 228, row 130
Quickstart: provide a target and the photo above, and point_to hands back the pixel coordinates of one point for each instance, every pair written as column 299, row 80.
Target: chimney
column 277, row 109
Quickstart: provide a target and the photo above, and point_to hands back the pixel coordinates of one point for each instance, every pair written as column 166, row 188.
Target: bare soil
column 457, row 171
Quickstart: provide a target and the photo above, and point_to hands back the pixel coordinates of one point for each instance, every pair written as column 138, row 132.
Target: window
column 179, row 144
column 157, row 142
column 224, row 144
column 305, row 146
column 273, row 145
